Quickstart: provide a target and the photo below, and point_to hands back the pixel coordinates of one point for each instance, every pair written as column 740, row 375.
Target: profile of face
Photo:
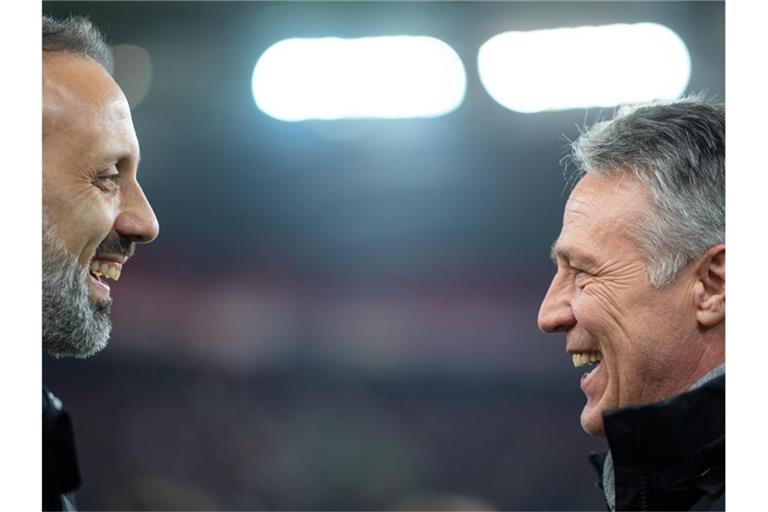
column 645, row 342
column 94, row 211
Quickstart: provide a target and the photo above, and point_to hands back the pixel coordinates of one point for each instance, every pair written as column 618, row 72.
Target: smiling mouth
column 585, row 358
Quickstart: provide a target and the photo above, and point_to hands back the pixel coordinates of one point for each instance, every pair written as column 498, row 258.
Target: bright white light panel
column 584, row 67
column 371, row 77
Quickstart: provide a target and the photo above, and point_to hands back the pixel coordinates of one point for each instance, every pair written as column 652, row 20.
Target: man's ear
column 710, row 287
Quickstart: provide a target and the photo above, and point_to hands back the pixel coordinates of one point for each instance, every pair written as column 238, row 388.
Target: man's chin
column 77, row 328
column 592, row 420
column 64, row 348
column 76, row 316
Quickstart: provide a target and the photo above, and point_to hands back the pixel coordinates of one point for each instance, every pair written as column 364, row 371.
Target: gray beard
column 74, row 325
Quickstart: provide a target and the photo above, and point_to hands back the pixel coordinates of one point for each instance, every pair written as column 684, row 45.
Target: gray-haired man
column 94, row 212
column 640, row 294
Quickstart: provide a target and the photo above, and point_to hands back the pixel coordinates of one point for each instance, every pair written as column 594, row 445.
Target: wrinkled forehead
column 606, row 206
column 614, row 196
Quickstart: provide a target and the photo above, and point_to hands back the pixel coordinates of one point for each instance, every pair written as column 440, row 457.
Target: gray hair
column 677, row 150
column 74, row 325
column 78, row 36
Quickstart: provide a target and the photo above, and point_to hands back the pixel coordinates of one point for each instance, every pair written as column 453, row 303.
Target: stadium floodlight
column 371, row 77
column 582, row 67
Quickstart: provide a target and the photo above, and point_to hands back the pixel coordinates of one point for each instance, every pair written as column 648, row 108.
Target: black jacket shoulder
column 670, row 455
column 61, row 475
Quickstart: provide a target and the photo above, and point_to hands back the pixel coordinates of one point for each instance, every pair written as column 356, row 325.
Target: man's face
column 94, row 210
column 601, row 298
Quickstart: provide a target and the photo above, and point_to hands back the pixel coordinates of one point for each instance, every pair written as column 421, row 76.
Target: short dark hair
column 78, row 36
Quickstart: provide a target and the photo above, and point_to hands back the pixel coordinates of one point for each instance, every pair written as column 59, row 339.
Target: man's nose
column 555, row 313
column 137, row 221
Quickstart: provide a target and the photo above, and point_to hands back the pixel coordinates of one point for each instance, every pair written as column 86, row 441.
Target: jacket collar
column 669, row 450
column 660, row 434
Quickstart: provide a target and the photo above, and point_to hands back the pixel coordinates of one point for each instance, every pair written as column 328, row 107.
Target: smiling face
column 93, row 207
column 647, row 340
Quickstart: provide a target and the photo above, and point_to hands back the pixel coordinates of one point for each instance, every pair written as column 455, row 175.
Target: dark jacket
column 60, row 472
column 669, row 455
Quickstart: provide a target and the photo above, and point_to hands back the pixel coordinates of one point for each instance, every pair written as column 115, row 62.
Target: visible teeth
column 582, row 358
column 95, row 269
column 105, row 270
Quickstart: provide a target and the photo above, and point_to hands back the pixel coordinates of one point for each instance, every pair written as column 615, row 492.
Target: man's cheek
column 91, row 228
column 608, row 305
column 590, row 313
column 582, row 312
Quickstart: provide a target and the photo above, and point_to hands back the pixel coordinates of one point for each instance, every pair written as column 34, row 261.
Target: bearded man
column 94, row 212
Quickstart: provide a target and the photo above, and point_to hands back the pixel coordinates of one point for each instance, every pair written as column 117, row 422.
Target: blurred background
column 341, row 314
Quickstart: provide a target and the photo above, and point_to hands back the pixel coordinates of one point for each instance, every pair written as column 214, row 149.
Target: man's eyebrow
column 570, row 254
column 120, row 157
column 553, row 251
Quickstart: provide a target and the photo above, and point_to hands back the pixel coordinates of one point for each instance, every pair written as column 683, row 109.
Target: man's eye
column 578, row 273
column 107, row 181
